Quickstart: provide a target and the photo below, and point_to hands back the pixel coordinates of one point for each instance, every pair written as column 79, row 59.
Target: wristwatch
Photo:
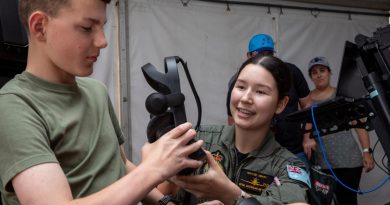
column 369, row 150
column 166, row 199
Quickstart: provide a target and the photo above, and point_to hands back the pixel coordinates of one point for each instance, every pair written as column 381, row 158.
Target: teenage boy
column 60, row 141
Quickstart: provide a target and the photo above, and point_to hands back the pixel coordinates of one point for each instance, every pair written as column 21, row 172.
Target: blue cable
column 330, row 167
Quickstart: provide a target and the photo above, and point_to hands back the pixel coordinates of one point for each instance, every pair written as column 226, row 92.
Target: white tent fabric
column 214, row 41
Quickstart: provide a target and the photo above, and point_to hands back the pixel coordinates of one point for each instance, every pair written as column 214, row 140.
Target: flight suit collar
column 269, row 146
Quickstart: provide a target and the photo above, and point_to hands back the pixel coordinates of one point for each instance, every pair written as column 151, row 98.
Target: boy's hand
column 169, row 154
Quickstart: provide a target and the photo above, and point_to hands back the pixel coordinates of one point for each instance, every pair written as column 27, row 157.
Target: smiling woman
column 244, row 160
column 253, row 102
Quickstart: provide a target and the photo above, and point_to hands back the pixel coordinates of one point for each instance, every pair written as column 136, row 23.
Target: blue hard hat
column 261, row 42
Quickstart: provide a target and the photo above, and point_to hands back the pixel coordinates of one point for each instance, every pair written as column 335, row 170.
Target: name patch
column 254, row 182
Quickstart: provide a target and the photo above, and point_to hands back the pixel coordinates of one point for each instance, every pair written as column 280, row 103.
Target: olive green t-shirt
column 72, row 125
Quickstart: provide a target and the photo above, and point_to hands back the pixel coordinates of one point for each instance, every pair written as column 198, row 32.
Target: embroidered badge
column 219, row 158
column 254, row 182
column 298, row 174
column 320, row 187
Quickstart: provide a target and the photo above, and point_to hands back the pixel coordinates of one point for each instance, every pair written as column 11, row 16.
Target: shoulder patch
column 295, row 161
column 298, row 174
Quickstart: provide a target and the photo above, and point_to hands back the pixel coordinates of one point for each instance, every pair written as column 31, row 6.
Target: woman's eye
column 260, row 92
column 240, row 87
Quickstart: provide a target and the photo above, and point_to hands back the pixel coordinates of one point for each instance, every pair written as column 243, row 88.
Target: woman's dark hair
column 278, row 69
column 232, row 81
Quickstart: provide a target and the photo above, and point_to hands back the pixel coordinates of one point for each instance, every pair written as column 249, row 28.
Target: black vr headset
column 166, row 106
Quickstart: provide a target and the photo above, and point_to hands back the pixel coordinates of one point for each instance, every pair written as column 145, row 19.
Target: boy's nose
column 100, row 40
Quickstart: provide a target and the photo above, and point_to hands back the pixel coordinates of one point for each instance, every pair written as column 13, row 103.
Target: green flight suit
column 256, row 173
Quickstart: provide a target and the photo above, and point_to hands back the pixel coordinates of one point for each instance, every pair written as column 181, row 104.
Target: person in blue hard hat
column 261, row 43
column 288, row 134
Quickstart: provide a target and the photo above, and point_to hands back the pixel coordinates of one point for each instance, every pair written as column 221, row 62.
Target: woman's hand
column 212, row 185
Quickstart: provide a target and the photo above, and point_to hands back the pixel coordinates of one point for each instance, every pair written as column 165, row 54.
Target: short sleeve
column 115, row 122
column 23, row 138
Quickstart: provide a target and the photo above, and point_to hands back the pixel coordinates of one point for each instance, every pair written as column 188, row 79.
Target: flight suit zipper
column 237, row 166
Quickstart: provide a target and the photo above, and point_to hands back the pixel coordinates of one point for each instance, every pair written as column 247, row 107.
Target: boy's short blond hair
column 50, row 7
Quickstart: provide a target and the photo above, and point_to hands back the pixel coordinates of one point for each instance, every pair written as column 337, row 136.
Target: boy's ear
column 282, row 104
column 37, row 23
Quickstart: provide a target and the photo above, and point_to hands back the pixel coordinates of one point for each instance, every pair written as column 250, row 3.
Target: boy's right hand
column 169, row 154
